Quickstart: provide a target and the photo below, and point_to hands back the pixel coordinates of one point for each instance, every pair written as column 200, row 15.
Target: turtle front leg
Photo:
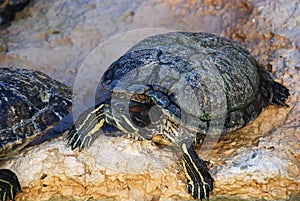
column 9, row 185
column 87, row 128
column 200, row 182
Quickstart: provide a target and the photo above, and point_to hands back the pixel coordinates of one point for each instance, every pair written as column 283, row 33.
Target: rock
column 125, row 168
column 8, row 8
column 261, row 161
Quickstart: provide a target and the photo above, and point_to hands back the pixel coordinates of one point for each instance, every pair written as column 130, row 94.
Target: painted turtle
column 175, row 89
column 31, row 104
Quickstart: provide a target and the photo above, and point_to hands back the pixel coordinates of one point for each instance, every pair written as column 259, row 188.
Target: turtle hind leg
column 280, row 94
column 87, row 128
column 200, row 182
column 9, row 185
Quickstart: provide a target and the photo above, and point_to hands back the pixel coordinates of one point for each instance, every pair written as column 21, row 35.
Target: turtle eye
column 139, row 113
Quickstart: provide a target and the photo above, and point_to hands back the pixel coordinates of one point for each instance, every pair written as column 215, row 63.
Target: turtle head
column 135, row 114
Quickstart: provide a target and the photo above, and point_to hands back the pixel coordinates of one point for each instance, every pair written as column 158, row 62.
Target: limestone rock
column 113, row 168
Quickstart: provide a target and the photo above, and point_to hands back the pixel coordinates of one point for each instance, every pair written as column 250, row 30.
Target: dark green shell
column 31, row 103
column 207, row 79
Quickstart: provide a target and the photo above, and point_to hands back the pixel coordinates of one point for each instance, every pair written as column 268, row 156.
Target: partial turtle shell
column 31, row 103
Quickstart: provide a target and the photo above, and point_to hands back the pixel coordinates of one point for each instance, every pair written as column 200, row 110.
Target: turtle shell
column 204, row 78
column 31, row 103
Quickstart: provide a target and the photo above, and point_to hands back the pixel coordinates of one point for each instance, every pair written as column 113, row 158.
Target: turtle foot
column 9, row 185
column 87, row 128
column 200, row 182
column 79, row 139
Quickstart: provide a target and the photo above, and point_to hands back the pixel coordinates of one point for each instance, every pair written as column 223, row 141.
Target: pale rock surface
column 259, row 162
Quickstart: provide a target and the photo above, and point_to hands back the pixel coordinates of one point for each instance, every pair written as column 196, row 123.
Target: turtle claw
column 198, row 190
column 9, row 185
column 76, row 140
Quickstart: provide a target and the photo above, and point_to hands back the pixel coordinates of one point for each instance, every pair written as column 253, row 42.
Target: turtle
column 31, row 104
column 176, row 89
column 8, row 8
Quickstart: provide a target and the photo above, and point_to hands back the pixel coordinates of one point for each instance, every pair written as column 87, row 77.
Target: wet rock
column 261, row 161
